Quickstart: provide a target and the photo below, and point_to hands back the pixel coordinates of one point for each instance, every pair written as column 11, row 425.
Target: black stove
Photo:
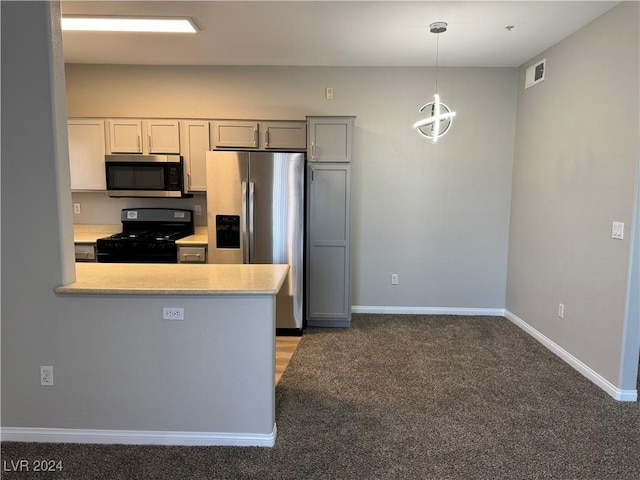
column 148, row 236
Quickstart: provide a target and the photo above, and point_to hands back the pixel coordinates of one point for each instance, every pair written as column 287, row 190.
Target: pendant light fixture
column 440, row 116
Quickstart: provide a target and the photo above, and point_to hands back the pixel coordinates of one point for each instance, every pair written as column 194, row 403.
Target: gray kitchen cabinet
column 285, row 135
column 143, row 136
column 330, row 139
column 125, row 136
column 162, row 136
column 194, row 144
column 259, row 134
column 86, row 154
column 234, row 134
column 328, row 241
column 329, row 153
column 192, row 254
column 85, row 252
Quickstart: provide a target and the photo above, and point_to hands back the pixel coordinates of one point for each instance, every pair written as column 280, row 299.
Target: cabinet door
column 85, row 252
column 162, row 136
column 125, row 136
column 328, row 261
column 284, row 135
column 195, row 143
column 234, row 134
column 86, row 154
column 330, row 139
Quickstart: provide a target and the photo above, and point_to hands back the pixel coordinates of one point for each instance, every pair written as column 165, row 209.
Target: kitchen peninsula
column 204, row 379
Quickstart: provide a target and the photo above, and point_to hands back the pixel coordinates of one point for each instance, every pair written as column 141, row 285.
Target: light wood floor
column 285, row 346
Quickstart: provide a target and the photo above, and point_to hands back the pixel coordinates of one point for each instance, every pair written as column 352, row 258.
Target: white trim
column 582, row 368
column 390, row 310
column 137, row 437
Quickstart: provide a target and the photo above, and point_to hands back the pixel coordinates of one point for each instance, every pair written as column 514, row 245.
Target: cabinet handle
column 243, row 225
column 150, row 145
column 186, row 255
column 313, row 150
column 188, row 181
column 266, row 138
column 252, row 188
column 255, row 137
column 139, row 150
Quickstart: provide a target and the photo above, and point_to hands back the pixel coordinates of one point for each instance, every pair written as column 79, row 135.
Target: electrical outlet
column 328, row 93
column 46, row 375
column 77, row 208
column 173, row 313
column 394, row 279
column 561, row 310
column 617, row 230
column 198, row 209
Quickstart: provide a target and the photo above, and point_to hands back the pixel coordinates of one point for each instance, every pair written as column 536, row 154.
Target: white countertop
column 175, row 279
column 200, row 237
column 91, row 233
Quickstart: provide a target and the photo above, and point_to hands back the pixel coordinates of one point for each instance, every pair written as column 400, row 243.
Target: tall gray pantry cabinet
column 329, row 155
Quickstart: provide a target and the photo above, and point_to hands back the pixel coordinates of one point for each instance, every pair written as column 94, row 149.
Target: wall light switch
column 198, row 209
column 617, row 231
column 77, row 209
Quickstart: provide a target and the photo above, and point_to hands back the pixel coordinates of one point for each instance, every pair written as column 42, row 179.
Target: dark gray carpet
column 404, row 397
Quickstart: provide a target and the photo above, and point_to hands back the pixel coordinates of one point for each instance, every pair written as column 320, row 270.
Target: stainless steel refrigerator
column 255, row 214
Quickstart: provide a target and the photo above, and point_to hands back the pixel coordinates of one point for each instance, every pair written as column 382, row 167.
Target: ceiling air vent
column 535, row 73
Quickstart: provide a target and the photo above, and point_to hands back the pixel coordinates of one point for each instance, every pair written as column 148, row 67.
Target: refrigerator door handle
column 252, row 186
column 243, row 225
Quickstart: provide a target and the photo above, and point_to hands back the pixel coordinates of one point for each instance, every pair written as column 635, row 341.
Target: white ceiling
column 336, row 33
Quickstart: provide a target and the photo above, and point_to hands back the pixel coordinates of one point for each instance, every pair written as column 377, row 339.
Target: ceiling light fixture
column 441, row 118
column 128, row 24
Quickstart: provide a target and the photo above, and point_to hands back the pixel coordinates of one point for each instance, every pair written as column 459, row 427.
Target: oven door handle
column 252, row 187
column 245, row 238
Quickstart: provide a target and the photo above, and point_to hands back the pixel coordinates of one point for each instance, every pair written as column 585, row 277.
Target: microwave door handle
column 251, row 221
column 243, row 225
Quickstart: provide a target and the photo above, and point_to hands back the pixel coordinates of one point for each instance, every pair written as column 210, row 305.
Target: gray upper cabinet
column 125, row 136
column 234, row 134
column 330, row 139
column 194, row 144
column 143, row 136
column 275, row 135
column 86, row 154
column 259, row 135
column 329, row 152
column 162, row 136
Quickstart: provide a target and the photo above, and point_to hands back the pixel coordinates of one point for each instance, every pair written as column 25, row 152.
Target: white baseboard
column 491, row 312
column 135, row 437
column 595, row 377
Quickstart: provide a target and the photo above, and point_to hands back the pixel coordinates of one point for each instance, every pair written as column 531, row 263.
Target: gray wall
column 117, row 364
column 437, row 215
column 97, row 208
column 575, row 168
column 451, row 202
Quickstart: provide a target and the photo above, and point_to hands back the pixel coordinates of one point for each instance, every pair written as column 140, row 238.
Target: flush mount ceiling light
column 440, row 116
column 128, row 24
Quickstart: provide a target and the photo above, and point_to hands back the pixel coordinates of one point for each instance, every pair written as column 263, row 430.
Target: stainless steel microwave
column 145, row 176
